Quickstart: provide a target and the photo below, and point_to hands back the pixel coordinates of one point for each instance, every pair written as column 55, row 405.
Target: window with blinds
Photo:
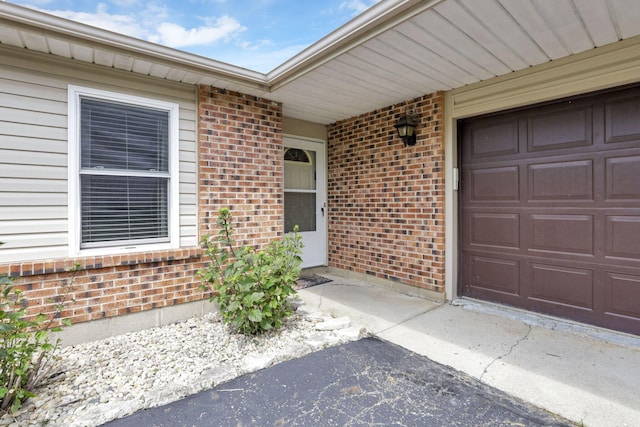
column 124, row 174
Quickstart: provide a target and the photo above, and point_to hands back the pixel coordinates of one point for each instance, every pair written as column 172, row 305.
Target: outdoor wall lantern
column 406, row 127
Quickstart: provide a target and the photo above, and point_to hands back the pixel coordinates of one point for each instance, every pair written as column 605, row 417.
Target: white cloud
column 126, row 3
column 357, row 6
column 122, row 24
column 174, row 35
column 35, row 3
column 247, row 45
column 262, row 60
column 152, row 23
column 152, row 15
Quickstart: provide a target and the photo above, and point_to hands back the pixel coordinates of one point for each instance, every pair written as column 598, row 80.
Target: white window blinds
column 124, row 174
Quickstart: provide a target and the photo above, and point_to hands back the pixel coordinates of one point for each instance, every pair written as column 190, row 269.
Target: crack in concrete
column 429, row 310
column 517, row 343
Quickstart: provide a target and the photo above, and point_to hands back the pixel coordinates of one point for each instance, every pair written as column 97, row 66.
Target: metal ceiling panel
column 159, row 70
column 101, row 57
column 176, row 74
column 596, row 17
column 191, row 78
column 440, row 48
column 561, row 16
column 507, row 29
column 10, row 36
column 625, row 15
column 341, row 103
column 142, row 67
column 462, row 42
column 59, row 47
column 395, row 69
column 431, row 70
column 361, row 80
column 527, row 16
column 123, row 62
column 34, row 41
column 82, row 53
column 482, row 34
column 208, row 81
column 369, row 77
column 344, row 98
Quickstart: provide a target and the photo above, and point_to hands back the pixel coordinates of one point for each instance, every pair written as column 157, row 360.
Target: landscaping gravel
column 96, row 382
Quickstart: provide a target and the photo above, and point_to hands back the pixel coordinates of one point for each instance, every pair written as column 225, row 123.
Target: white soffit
column 453, row 44
column 395, row 51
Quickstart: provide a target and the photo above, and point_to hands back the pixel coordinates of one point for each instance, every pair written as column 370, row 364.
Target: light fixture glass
column 406, row 126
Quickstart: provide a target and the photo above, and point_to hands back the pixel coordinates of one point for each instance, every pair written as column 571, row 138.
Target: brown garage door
column 550, row 217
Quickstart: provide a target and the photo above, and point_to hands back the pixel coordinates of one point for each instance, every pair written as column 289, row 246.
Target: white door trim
column 320, row 147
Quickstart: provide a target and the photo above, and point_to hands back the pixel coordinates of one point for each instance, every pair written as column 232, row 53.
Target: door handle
column 322, row 210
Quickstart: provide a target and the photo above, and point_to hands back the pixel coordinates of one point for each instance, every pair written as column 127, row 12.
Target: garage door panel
column 622, row 178
column 495, row 184
column 494, row 139
column 554, row 227
column 495, row 230
column 623, row 236
column 562, row 285
column 621, row 120
column 622, row 291
column 556, row 129
column 570, row 180
column 495, row 274
column 562, row 234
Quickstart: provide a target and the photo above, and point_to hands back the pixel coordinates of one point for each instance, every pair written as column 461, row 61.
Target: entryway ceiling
column 395, row 51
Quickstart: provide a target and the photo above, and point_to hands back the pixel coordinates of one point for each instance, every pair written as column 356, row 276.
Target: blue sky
column 255, row 34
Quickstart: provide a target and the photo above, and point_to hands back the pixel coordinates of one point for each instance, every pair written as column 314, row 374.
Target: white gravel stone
column 352, row 333
column 255, row 363
column 317, row 316
column 96, row 382
column 334, row 324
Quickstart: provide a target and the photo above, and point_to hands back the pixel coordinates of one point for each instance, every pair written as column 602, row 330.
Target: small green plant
column 251, row 286
column 25, row 344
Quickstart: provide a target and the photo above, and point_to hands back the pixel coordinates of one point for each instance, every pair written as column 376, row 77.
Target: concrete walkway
column 587, row 375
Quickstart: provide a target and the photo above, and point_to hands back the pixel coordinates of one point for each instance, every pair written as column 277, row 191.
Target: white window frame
column 75, row 93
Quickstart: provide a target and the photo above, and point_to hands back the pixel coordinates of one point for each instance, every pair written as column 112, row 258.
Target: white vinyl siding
column 34, row 218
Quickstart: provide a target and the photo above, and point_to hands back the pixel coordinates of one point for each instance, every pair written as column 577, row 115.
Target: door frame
column 320, row 146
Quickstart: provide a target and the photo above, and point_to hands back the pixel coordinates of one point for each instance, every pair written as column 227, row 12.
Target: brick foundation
column 386, row 201
column 109, row 286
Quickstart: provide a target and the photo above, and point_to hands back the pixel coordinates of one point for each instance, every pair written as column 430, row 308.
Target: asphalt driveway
column 363, row 383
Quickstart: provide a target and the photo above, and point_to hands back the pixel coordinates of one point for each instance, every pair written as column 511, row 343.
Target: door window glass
column 299, row 190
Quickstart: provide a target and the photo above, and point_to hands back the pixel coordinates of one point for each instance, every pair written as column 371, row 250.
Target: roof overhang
column 37, row 31
column 395, row 51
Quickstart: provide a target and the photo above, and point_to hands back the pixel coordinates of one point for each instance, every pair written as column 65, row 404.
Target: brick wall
column 386, row 201
column 108, row 286
column 240, row 162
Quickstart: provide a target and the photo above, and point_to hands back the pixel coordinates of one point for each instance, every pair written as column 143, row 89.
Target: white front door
column 305, row 200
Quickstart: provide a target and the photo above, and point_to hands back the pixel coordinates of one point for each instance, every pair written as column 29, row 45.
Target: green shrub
column 25, row 345
column 251, row 287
